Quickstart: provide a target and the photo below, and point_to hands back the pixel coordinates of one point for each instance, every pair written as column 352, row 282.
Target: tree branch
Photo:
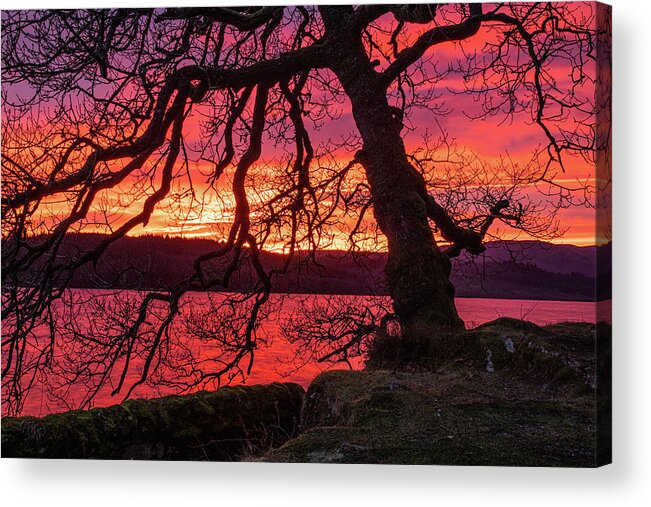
column 435, row 36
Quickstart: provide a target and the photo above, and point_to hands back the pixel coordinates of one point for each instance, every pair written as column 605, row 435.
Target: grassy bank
column 521, row 395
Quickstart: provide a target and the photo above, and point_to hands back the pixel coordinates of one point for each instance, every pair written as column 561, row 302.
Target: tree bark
column 417, row 270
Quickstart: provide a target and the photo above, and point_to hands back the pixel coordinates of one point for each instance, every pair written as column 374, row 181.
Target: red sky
column 488, row 139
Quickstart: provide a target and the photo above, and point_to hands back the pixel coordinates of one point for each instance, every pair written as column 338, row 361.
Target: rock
column 441, row 418
column 518, row 394
column 226, row 424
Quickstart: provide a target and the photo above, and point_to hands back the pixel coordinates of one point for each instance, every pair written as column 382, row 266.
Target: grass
column 534, row 405
column 429, row 418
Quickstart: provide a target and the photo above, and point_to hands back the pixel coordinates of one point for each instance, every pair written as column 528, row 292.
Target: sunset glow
column 195, row 209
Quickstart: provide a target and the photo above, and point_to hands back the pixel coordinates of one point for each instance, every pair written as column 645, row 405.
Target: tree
column 97, row 104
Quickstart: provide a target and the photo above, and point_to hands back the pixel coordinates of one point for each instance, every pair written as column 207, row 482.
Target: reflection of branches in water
column 336, row 329
column 227, row 328
column 108, row 341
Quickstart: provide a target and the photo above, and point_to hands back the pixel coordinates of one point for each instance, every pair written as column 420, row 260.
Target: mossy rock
column 534, row 406
column 555, row 357
column 529, row 402
column 226, row 424
column 438, row 418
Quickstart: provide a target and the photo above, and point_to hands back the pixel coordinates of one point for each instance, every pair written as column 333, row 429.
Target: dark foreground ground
column 530, row 401
column 521, row 395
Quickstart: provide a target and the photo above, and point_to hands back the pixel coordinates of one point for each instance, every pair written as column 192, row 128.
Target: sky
column 489, row 139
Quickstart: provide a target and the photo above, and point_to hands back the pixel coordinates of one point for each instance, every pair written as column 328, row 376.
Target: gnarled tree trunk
column 417, row 270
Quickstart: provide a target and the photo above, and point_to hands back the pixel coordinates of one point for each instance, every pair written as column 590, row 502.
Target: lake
column 276, row 361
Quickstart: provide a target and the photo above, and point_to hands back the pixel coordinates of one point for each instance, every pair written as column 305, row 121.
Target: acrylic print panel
column 351, row 234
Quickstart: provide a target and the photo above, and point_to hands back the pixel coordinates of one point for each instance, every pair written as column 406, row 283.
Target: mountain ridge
column 507, row 270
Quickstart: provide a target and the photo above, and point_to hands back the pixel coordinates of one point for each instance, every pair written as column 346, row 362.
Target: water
column 277, row 360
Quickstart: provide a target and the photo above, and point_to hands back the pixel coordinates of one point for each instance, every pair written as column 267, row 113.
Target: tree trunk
column 417, row 271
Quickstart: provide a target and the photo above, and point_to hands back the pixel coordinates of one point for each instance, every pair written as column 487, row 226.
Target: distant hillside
column 516, row 270
column 564, row 259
